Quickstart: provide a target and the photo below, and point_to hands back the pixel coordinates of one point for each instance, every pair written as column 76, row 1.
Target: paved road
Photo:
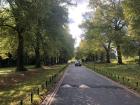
column 84, row 87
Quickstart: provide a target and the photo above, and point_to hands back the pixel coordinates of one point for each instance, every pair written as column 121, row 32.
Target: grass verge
column 15, row 86
column 128, row 75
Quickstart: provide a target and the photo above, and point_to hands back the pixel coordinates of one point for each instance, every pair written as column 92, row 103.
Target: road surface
column 84, row 87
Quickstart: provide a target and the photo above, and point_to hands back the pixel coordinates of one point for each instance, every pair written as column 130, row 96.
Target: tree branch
column 6, row 25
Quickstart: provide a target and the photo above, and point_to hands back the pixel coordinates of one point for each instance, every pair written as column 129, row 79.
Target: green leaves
column 132, row 15
column 41, row 25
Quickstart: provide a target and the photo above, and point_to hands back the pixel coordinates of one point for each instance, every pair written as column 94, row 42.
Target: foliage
column 37, row 31
column 110, row 28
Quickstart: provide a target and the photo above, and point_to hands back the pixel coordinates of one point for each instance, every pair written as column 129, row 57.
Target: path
column 84, row 87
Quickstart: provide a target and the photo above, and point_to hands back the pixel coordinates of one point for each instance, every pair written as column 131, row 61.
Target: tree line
column 34, row 32
column 111, row 29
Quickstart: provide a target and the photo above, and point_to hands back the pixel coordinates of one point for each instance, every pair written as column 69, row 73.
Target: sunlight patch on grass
column 4, row 71
column 11, row 95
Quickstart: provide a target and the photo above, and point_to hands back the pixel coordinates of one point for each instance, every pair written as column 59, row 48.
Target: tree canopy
column 36, row 32
column 112, row 30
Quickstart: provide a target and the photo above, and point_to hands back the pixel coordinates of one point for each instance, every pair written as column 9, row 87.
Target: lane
column 84, row 87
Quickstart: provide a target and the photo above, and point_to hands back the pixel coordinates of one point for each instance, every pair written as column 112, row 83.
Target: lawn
column 128, row 74
column 14, row 86
column 9, row 70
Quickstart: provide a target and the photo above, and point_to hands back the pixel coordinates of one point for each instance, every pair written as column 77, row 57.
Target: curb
column 49, row 98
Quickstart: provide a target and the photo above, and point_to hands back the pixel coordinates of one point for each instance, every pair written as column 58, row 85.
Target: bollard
column 21, row 102
column 31, row 97
column 46, row 84
column 55, row 76
column 137, row 84
column 43, row 86
column 123, row 79
column 118, row 77
column 37, row 91
column 128, row 80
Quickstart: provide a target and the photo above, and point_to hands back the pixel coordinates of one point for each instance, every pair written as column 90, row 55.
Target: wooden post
column 42, row 86
column 21, row 102
column 46, row 84
column 137, row 84
column 38, row 91
column 123, row 79
column 128, row 79
column 118, row 77
column 31, row 97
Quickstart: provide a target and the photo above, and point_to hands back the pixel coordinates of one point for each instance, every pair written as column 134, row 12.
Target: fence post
column 21, row 102
column 137, row 84
column 46, row 83
column 123, row 79
column 31, row 97
column 128, row 79
column 118, row 77
column 42, row 86
column 55, row 76
column 38, row 91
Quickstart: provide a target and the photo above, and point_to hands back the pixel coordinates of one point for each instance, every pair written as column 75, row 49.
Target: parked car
column 78, row 63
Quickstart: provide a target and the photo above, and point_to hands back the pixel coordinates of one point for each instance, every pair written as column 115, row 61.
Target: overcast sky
column 75, row 16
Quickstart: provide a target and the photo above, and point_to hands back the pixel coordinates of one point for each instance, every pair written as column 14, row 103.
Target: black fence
column 38, row 94
column 126, row 80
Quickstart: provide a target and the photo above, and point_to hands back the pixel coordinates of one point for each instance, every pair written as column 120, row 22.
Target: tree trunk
column 38, row 64
column 93, row 58
column 96, row 57
column 107, row 49
column 119, row 54
column 59, row 61
column 37, row 52
column 139, row 56
column 108, row 56
column 20, row 53
column 51, row 61
column 102, row 57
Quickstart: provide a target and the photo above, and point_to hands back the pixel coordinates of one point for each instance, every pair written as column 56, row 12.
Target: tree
column 112, row 12
column 39, row 13
column 41, row 28
column 132, row 16
column 98, row 28
column 19, row 15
